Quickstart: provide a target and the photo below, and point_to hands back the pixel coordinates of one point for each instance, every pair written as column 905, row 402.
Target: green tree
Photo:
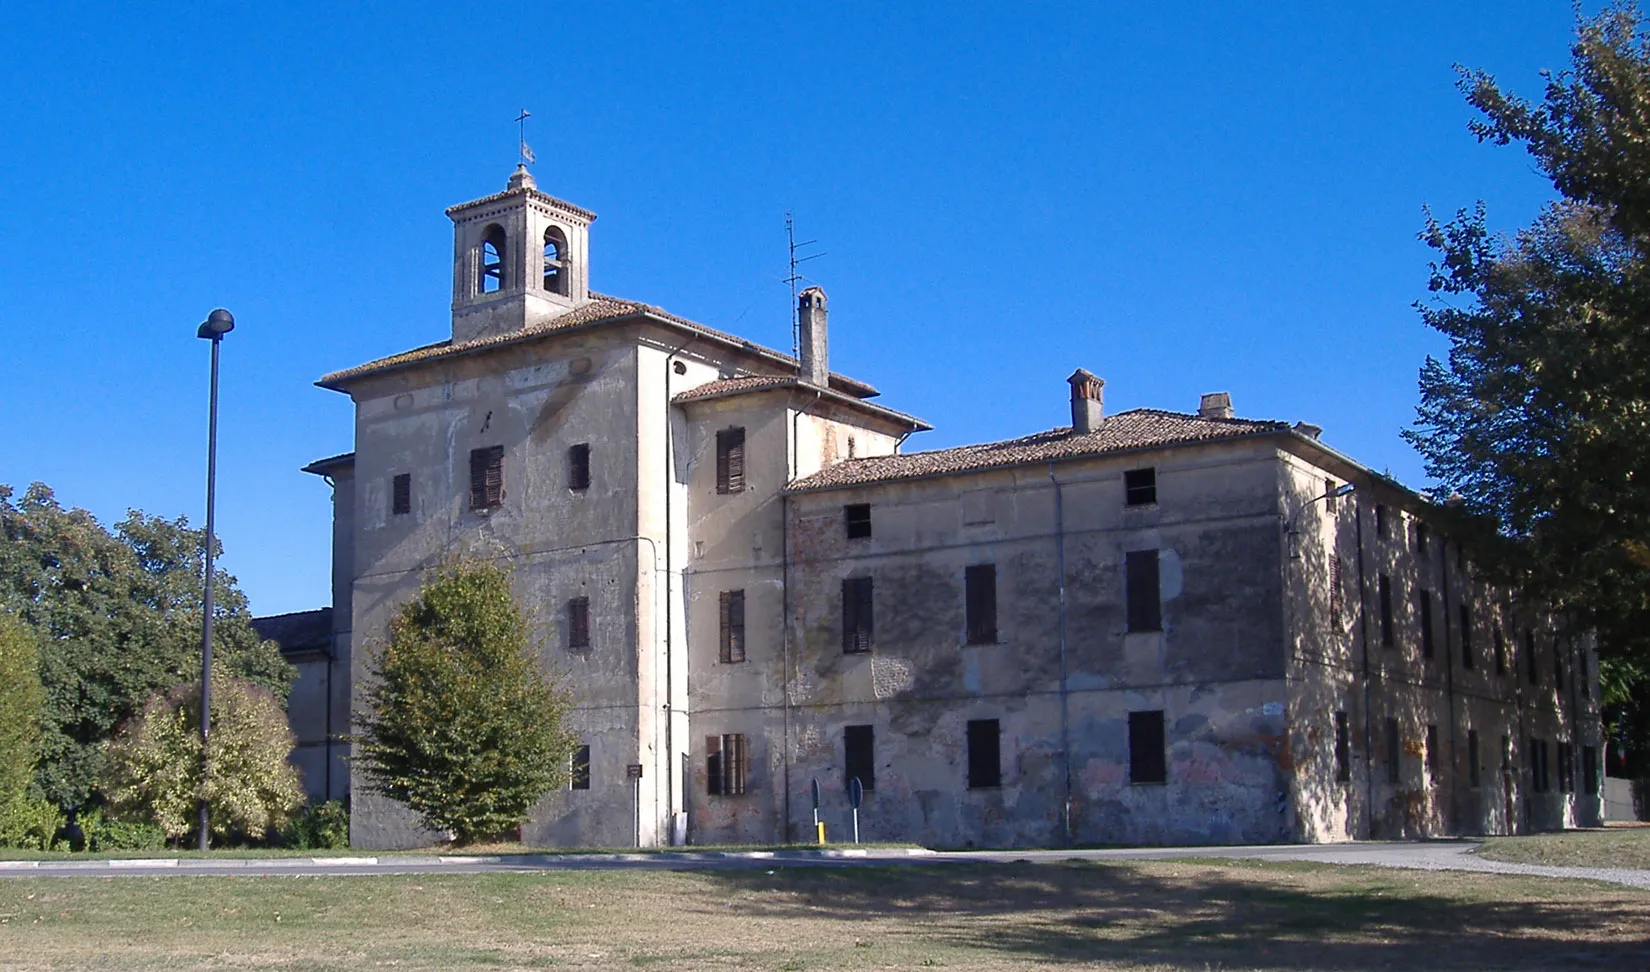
column 154, row 768
column 1540, row 417
column 460, row 723
column 117, row 618
column 20, row 700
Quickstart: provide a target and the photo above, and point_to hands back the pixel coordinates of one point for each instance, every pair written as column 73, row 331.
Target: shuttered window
column 1337, row 593
column 578, row 466
column 1467, row 661
column 725, row 764
column 1500, row 643
column 401, row 494
column 1529, row 658
column 1475, row 775
column 486, row 477
column 578, row 623
column 980, row 588
column 1423, row 604
column 1148, row 761
column 1384, row 584
column 1145, row 607
column 856, row 615
column 580, row 779
column 731, row 612
column 730, row 461
column 1540, row 773
column 985, row 763
column 1433, row 764
column 859, row 756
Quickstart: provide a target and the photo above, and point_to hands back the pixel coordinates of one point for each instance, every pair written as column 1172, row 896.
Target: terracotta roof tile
column 599, row 308
column 734, row 386
column 1137, row 429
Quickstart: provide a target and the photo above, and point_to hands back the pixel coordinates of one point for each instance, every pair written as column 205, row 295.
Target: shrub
column 20, row 706
column 321, row 826
column 103, row 832
column 30, row 823
column 155, row 762
column 460, row 724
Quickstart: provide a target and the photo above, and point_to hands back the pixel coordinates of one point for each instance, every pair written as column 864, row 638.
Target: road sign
column 856, row 792
column 633, row 771
column 813, row 785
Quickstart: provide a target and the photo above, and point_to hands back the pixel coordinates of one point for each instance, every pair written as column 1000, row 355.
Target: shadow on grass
column 1244, row 915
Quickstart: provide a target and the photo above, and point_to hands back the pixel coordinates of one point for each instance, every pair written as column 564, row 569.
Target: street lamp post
column 217, row 324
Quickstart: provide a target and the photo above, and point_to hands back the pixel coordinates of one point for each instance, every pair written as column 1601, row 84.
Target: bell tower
column 520, row 258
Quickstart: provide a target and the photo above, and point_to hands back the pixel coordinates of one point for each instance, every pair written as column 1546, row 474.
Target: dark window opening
column 1140, row 486
column 555, row 262
column 1433, row 762
column 401, row 494
column 1558, row 669
column 1423, row 602
column 1585, row 675
column 857, row 628
column 580, row 779
column 1589, row 770
column 1500, row 644
column 1145, row 607
column 490, row 273
column 725, row 764
column 1380, row 521
column 1565, row 783
column 731, row 609
column 1421, row 533
column 730, row 461
column 985, row 768
column 1474, row 774
column 486, row 477
column 1466, row 638
column 1540, row 778
column 857, row 517
column 1394, row 750
column 578, row 466
column 1529, row 658
column 1384, row 583
column 1330, row 500
column 859, row 756
column 1343, row 749
column 1148, row 761
column 578, row 623
column 980, row 586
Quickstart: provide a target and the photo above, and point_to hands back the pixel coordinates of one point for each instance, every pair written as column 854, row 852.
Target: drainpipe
column 785, row 648
column 1065, row 717
column 1449, row 678
column 670, row 683
column 1369, row 722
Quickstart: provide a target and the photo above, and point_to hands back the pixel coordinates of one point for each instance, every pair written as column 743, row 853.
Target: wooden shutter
column 980, row 590
column 1423, row 601
column 856, row 615
column 731, row 609
column 1385, row 584
column 713, row 765
column 486, row 477
column 1147, row 760
column 734, row 764
column 1336, row 595
column 1343, row 749
column 1145, row 607
column 730, row 461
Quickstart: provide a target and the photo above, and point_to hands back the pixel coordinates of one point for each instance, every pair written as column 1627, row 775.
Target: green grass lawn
column 1138, row 915
column 442, row 850
column 1615, row 847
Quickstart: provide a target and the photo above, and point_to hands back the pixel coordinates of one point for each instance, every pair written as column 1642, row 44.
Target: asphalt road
column 1433, row 855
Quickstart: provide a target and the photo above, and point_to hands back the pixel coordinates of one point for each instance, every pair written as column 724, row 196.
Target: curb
column 535, row 860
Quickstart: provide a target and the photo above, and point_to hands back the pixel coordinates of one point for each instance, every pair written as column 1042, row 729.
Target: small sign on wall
column 633, row 771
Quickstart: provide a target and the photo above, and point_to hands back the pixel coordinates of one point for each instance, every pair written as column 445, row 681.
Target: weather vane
column 521, row 135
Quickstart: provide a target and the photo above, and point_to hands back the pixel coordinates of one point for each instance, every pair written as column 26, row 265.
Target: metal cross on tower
column 521, row 136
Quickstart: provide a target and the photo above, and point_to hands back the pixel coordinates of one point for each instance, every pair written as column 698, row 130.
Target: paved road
column 1431, row 856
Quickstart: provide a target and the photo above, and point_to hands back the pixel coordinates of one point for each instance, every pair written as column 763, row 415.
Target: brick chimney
column 1087, row 401
column 1215, row 405
column 810, row 315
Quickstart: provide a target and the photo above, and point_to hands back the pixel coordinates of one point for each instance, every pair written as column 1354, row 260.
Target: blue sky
column 1181, row 198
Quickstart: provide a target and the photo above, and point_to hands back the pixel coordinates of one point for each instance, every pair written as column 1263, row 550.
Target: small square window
column 1140, row 486
column 401, row 494
column 857, row 516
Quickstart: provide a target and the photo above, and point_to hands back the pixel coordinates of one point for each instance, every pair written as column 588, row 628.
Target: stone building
column 1149, row 627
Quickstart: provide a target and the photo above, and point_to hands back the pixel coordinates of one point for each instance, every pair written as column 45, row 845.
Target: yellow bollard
column 821, row 827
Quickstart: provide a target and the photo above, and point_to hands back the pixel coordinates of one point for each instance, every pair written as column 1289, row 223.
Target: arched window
column 490, row 274
column 555, row 261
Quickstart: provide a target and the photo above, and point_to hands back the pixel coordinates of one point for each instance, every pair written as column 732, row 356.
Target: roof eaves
column 325, row 467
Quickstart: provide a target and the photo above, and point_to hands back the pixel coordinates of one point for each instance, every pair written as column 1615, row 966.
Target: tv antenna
column 793, row 278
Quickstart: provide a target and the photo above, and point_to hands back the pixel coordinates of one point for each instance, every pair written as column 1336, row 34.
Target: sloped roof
column 600, row 309
column 298, row 633
column 1140, row 428
column 747, row 384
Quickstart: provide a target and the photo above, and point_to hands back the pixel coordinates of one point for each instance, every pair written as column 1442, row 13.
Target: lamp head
column 1345, row 489
column 217, row 324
